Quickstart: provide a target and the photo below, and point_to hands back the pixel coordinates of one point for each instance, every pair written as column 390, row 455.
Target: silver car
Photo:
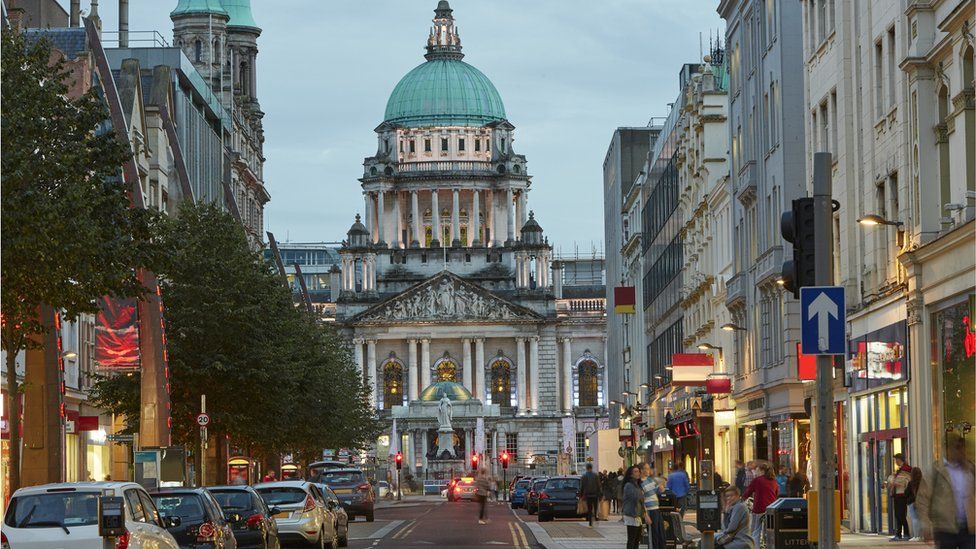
column 301, row 513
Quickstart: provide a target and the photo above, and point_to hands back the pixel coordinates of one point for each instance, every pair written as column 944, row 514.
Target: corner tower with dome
column 448, row 278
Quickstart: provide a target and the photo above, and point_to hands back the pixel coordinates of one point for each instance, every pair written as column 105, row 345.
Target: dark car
column 250, row 518
column 353, row 490
column 532, row 496
column 201, row 523
column 520, row 488
column 559, row 498
column 341, row 517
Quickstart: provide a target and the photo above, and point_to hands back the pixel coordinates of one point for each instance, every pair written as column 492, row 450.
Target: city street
column 432, row 522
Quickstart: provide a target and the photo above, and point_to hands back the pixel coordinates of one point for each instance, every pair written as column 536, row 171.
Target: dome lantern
column 358, row 234
column 532, row 231
column 444, row 41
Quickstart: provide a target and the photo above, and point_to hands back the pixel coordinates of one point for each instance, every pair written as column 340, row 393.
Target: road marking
column 515, row 539
column 382, row 532
column 525, row 541
column 406, row 531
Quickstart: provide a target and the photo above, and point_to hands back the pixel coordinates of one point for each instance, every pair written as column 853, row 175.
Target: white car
column 301, row 513
column 65, row 516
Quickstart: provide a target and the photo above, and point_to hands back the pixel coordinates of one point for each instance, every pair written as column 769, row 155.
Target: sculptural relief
column 447, row 299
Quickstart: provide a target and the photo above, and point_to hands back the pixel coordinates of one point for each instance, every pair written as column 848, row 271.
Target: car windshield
column 563, row 484
column 53, row 510
column 232, row 500
column 334, row 478
column 538, row 485
column 189, row 507
column 522, row 484
column 282, row 495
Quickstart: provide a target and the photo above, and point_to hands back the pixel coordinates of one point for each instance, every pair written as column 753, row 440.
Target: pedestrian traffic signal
column 399, row 460
column 505, row 458
column 797, row 228
column 474, row 461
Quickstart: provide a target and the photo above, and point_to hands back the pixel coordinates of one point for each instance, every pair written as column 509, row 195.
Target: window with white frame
column 582, row 447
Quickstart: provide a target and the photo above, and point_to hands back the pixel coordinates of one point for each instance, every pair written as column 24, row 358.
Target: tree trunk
column 13, row 421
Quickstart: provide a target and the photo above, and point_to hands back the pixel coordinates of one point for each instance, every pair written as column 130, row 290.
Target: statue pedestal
column 445, row 441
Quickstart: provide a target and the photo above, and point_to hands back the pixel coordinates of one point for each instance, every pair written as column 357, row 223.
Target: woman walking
column 632, row 507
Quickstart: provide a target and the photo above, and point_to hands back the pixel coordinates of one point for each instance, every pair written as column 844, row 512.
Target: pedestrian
column 945, row 498
column 763, row 490
column 799, row 484
column 734, row 532
column 912, row 511
column 482, row 488
column 680, row 485
column 740, row 476
column 590, row 488
column 270, row 477
column 632, row 507
column 783, row 480
column 897, row 484
column 618, row 494
column 750, row 474
column 655, row 522
column 610, row 491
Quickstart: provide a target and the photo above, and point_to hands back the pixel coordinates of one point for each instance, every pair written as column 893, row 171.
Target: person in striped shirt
column 655, row 522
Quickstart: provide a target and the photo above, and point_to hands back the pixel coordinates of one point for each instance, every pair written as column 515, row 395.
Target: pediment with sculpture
column 445, row 297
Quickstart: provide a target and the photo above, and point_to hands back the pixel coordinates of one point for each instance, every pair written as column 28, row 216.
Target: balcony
column 735, row 289
column 769, row 266
column 581, row 307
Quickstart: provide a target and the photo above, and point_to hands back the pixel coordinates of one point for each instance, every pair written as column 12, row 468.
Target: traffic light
column 505, row 458
column 399, row 460
column 797, row 228
column 474, row 461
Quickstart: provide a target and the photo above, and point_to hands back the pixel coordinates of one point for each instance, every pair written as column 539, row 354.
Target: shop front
column 692, row 429
column 662, row 446
column 954, row 350
column 877, row 372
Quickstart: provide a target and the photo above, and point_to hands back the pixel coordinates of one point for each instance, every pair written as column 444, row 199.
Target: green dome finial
column 444, row 41
column 192, row 7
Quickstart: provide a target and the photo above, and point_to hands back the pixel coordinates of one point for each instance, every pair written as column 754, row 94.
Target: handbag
column 581, row 507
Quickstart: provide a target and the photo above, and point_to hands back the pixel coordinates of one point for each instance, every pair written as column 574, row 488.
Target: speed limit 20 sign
column 203, row 420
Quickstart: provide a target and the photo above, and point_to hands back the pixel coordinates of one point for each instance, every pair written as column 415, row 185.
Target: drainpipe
column 75, row 20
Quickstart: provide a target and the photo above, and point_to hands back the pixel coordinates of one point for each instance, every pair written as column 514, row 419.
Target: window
column 771, row 18
column 500, row 374
column 461, row 144
column 443, row 144
column 821, row 21
column 878, row 79
column 135, row 505
column 589, row 383
column 942, row 139
column 892, row 68
column 446, row 370
column 833, row 124
column 197, row 51
column 660, row 352
column 582, row 445
column 413, row 146
column 426, row 145
column 768, row 118
column 824, row 130
column 511, row 445
column 773, row 110
column 477, row 145
column 392, row 385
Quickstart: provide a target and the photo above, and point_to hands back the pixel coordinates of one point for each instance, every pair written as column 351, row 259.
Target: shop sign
column 625, row 434
column 756, row 404
column 662, row 441
column 880, row 354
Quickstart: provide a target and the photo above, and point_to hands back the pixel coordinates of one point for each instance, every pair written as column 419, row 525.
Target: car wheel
column 545, row 518
column 344, row 540
column 369, row 516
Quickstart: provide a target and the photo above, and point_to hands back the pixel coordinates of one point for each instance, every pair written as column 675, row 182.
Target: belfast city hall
column 450, row 289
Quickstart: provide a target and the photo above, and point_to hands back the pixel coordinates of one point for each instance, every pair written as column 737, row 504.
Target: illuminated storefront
column 954, row 356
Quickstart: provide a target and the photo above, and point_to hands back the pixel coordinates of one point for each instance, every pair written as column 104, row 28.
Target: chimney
column 123, row 23
column 93, row 15
column 75, row 20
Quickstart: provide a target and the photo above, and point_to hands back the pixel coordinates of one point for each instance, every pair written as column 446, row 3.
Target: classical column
column 479, row 369
column 534, row 372
column 521, row 366
column 412, row 368
column 368, row 218
column 522, row 210
column 371, row 369
column 380, row 225
column 468, row 446
column 567, row 374
column 466, row 354
column 510, row 212
column 435, row 210
column 475, row 219
column 397, row 225
column 456, row 219
column 357, row 352
column 415, row 213
column 424, row 363
column 490, row 220
column 423, row 448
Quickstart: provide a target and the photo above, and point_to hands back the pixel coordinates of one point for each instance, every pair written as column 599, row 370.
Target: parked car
column 65, row 515
column 464, row 488
column 519, row 489
column 315, row 468
column 249, row 516
column 301, row 514
column 559, row 498
column 354, row 491
column 341, row 517
column 532, row 496
column 202, row 522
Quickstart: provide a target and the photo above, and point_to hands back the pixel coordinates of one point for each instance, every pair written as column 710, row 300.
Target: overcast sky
column 569, row 72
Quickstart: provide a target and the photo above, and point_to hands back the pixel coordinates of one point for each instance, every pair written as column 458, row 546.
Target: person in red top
column 270, row 477
column 764, row 490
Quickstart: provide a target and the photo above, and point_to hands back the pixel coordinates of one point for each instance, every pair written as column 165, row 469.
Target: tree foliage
column 67, row 232
column 275, row 380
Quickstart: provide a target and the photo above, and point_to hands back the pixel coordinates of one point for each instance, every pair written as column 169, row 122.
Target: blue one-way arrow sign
column 822, row 320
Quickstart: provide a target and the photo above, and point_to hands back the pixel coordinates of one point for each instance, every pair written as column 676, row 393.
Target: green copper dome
column 444, row 92
column 437, row 391
column 189, row 7
column 240, row 13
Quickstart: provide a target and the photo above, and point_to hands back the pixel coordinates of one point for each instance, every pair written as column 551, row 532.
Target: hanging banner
column 117, row 335
column 569, row 438
column 690, row 368
column 479, row 435
column 624, row 300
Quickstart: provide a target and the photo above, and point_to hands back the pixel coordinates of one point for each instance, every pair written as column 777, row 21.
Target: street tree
column 68, row 233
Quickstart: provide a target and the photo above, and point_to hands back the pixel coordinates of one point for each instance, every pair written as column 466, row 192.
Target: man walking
column 740, row 476
column 945, row 498
column 482, row 487
column 898, row 490
column 655, row 524
column 590, row 487
column 680, row 485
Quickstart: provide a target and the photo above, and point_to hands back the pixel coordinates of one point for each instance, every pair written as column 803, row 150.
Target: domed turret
column 358, row 234
column 532, row 231
column 450, row 389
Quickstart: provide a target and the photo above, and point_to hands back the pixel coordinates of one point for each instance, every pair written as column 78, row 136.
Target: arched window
column 588, row 380
column 197, row 51
column 446, row 370
column 392, row 384
column 500, row 379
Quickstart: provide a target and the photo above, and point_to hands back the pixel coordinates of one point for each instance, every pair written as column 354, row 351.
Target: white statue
column 445, row 413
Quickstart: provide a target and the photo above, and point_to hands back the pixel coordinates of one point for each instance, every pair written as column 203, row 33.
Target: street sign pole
column 826, row 466
column 203, row 442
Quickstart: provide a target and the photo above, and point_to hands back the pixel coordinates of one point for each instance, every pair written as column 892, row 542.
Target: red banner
column 806, row 365
column 117, row 335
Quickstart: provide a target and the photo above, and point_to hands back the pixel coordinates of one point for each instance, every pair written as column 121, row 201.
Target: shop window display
column 954, row 342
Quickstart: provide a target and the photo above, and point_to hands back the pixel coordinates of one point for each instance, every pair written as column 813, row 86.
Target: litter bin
column 786, row 523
